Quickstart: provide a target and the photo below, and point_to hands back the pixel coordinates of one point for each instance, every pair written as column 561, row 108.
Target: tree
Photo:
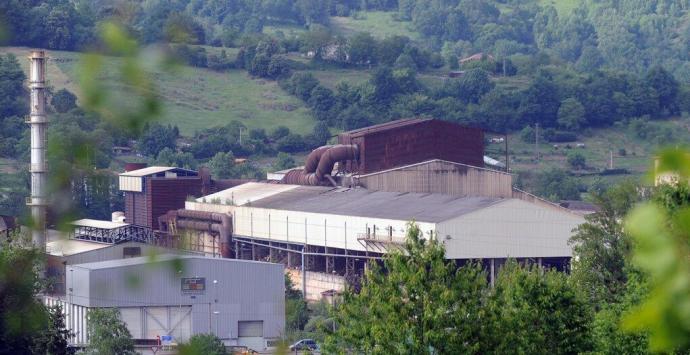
column 540, row 102
column 362, row 48
column 571, row 114
column 22, row 316
column 533, row 311
column 156, row 137
column 203, row 344
column 63, row 101
column 666, row 87
column 321, row 100
column 385, row 85
column 222, row 165
column 421, row 304
column 283, row 161
column 108, row 334
column 600, row 247
column 11, row 87
column 321, row 133
column 296, row 313
column 556, row 185
column 577, row 160
column 54, row 340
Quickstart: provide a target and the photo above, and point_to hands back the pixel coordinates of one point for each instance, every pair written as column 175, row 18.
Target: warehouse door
column 251, row 334
column 173, row 320
column 132, row 318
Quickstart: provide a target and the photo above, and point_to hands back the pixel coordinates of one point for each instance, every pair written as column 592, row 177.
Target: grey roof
column 376, row 204
column 152, row 170
column 109, row 264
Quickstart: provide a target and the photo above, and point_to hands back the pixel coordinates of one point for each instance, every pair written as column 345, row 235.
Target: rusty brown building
column 153, row 191
column 408, row 141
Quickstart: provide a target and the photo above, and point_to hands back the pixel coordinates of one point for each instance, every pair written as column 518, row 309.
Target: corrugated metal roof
column 246, row 193
column 152, row 170
column 95, row 223
column 108, row 264
column 67, row 247
column 375, row 204
column 386, row 126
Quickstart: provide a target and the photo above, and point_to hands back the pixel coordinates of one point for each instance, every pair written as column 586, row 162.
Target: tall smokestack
column 38, row 122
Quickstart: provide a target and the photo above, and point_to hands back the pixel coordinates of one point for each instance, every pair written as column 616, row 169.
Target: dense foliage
column 419, row 302
column 108, row 334
column 26, row 325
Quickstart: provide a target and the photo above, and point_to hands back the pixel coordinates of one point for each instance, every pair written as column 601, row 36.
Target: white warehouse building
column 331, row 232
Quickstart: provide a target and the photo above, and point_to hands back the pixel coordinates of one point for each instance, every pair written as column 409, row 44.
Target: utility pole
column 611, row 159
column 536, row 140
column 240, row 135
column 38, row 168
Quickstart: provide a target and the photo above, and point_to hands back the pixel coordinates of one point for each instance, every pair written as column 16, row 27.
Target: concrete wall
column 317, row 282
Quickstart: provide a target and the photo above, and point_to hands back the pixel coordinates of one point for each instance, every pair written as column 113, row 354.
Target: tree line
column 416, row 301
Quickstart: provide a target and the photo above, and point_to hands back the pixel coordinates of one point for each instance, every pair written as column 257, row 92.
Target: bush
column 577, row 160
column 206, row 344
column 555, row 136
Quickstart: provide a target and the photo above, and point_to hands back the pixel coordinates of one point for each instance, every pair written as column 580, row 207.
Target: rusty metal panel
column 165, row 194
column 411, row 141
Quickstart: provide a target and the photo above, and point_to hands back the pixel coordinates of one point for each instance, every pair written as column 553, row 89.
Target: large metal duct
column 333, row 155
column 38, row 168
column 313, row 159
column 320, row 163
column 211, row 222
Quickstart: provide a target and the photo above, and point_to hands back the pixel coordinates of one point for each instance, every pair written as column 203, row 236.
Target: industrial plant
column 186, row 241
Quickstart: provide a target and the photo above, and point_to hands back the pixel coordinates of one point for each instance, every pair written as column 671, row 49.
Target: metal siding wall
column 513, row 228
column 115, row 252
column 441, row 177
column 167, row 194
column 322, row 229
column 246, row 291
column 399, row 145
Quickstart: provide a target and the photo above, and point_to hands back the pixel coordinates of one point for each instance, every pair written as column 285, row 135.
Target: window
column 131, row 252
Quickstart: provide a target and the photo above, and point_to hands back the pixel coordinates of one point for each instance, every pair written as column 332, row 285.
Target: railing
column 381, row 238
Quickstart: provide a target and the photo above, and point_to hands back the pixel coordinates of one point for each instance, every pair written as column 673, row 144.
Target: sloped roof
column 375, row 204
column 153, row 170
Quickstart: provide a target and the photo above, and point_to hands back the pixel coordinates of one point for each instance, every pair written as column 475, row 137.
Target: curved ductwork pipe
column 320, row 163
column 335, row 154
column 212, row 222
column 313, row 159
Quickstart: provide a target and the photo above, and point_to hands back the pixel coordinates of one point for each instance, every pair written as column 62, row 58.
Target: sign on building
column 193, row 284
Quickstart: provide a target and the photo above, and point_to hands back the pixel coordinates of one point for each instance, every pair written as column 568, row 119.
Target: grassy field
column 379, row 23
column 195, row 98
column 563, row 7
column 598, row 145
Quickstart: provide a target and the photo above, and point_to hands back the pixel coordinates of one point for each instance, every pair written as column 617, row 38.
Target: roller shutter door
column 250, row 329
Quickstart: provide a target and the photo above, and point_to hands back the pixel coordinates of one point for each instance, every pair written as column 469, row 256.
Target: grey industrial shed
column 240, row 301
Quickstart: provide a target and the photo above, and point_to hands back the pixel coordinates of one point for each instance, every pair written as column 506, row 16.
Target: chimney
column 38, row 168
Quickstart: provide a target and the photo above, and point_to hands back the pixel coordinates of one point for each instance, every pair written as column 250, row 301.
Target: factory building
column 331, row 232
column 351, row 203
column 241, row 302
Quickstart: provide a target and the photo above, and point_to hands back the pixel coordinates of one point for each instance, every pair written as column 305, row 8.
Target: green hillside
column 197, row 98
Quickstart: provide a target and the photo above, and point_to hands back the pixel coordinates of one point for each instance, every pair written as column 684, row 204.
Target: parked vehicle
column 305, row 344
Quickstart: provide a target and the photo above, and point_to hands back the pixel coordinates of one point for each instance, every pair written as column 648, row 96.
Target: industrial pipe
column 220, row 223
column 320, row 163
column 313, row 159
column 335, row 154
